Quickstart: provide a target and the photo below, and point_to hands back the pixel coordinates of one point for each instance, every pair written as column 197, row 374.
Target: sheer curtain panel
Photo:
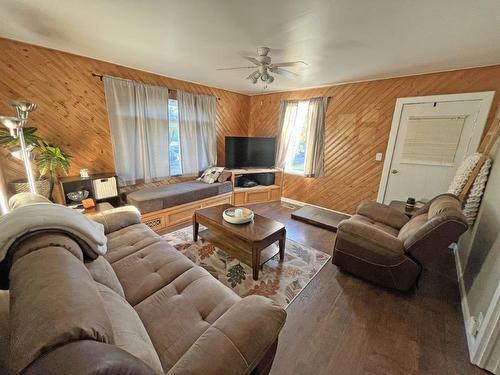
column 197, row 121
column 315, row 135
column 288, row 117
column 138, row 119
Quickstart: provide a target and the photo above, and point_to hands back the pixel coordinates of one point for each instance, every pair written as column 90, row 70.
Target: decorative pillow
column 211, row 175
column 224, row 176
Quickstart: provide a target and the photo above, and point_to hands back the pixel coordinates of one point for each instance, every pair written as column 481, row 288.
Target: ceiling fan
column 264, row 66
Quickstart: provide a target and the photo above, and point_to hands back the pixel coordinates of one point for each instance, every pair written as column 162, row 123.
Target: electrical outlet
column 472, row 326
column 475, row 324
column 378, row 156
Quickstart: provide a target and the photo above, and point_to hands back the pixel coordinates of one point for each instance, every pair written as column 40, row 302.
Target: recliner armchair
column 384, row 246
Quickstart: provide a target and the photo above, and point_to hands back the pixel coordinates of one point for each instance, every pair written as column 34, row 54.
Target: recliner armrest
column 383, row 214
column 369, row 237
column 118, row 218
column 237, row 341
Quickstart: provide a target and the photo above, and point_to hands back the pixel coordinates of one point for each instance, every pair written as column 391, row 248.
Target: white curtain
column 312, row 117
column 288, row 117
column 138, row 118
column 197, row 121
column 315, row 133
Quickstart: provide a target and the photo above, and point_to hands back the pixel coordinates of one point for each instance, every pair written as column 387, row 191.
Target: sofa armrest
column 237, row 341
column 118, row 218
column 369, row 237
column 383, row 214
column 88, row 357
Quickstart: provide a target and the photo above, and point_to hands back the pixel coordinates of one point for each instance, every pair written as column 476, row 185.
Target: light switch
column 378, row 156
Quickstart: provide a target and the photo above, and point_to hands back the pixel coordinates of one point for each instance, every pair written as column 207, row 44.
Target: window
column 296, row 155
column 174, row 149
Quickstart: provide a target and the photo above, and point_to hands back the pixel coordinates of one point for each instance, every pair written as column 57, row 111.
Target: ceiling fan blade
column 286, row 73
column 253, row 60
column 290, row 63
column 240, row 67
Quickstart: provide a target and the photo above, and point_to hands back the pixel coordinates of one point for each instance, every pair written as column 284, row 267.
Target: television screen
column 246, row 152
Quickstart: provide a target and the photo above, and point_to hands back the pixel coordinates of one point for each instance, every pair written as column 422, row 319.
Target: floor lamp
column 15, row 126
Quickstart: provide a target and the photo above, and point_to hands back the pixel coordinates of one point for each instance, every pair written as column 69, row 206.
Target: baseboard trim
column 302, row 204
column 471, row 340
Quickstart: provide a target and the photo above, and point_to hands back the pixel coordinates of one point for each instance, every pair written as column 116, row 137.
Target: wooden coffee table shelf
column 250, row 242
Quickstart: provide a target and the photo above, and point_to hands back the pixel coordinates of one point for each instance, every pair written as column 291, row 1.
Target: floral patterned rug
column 281, row 282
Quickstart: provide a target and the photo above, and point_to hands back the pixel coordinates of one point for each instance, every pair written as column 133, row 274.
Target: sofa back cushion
column 54, row 301
column 103, row 273
column 128, row 331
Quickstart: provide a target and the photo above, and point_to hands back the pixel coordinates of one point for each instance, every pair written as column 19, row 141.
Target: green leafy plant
column 51, row 160
column 29, row 137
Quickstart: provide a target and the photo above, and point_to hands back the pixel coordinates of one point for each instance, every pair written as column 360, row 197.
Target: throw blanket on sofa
column 35, row 217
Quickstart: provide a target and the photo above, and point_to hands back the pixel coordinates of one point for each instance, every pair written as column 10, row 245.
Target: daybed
column 143, row 308
column 172, row 204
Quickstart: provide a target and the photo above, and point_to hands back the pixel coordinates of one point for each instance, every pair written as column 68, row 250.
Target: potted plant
column 12, row 144
column 51, row 159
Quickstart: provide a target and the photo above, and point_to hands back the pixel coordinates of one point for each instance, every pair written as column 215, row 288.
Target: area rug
column 281, row 282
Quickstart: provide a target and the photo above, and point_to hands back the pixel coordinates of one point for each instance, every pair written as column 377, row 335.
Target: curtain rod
column 101, row 76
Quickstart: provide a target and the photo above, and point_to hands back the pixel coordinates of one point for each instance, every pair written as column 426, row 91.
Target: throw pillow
column 224, row 176
column 211, row 174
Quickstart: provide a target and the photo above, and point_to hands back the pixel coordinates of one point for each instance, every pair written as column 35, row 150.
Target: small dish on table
column 238, row 215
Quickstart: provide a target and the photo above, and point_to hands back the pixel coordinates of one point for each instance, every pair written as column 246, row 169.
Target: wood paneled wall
column 72, row 108
column 72, row 112
column 358, row 123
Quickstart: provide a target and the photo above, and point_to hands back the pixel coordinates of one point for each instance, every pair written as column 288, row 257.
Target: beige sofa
column 144, row 308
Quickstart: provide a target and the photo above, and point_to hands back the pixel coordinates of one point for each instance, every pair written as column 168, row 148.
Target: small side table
column 99, row 207
column 401, row 207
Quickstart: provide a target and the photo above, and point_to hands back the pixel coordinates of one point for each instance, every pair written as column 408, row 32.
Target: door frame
column 486, row 98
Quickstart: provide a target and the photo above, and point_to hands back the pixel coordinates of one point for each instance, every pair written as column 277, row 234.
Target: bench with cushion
column 172, row 204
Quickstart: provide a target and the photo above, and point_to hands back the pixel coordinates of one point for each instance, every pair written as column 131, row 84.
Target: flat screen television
column 250, row 152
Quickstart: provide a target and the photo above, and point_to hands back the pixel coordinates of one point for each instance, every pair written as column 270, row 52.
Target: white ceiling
column 341, row 40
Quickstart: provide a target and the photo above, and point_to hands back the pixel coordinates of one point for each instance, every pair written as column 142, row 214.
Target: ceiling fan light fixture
column 264, row 77
column 270, row 79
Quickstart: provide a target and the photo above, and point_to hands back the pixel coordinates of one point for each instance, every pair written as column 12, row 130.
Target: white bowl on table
column 238, row 215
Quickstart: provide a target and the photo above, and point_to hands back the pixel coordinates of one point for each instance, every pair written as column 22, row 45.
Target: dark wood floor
column 342, row 325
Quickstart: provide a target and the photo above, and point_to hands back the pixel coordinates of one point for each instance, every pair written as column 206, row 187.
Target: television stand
column 259, row 193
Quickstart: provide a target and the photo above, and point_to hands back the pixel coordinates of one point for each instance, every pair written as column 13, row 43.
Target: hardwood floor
column 340, row 324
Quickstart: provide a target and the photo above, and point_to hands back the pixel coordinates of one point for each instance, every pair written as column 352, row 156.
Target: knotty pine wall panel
column 72, row 108
column 358, row 123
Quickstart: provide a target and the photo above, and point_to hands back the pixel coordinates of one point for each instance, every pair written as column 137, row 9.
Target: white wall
column 479, row 258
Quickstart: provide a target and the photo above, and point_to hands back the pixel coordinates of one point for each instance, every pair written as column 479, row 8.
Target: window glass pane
column 174, row 152
column 297, row 151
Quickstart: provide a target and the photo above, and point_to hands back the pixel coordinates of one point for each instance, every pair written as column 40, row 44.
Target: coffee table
column 250, row 242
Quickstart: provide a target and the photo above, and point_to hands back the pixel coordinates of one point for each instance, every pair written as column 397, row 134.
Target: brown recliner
column 383, row 245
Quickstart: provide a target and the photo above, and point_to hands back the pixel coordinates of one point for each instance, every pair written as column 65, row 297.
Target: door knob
column 394, row 171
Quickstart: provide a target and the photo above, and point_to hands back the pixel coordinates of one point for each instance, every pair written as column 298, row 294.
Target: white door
column 431, row 136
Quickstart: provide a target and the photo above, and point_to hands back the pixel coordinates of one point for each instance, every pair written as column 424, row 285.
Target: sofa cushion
column 165, row 196
column 128, row 331
column 54, row 301
column 365, row 220
column 180, row 312
column 103, row 273
column 129, row 240
column 176, row 300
